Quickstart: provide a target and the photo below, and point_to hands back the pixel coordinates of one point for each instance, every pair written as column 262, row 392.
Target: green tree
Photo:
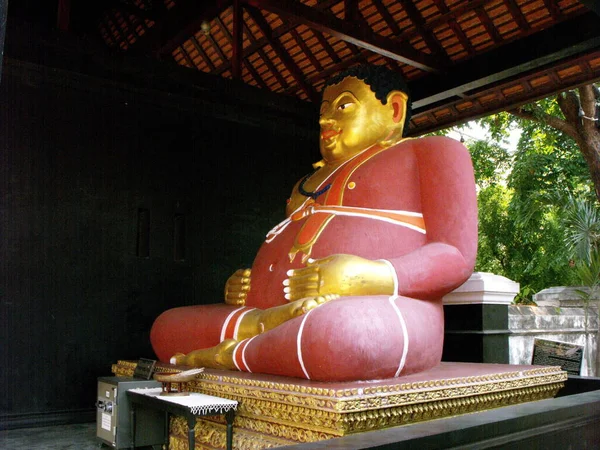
column 521, row 200
column 569, row 119
column 523, row 196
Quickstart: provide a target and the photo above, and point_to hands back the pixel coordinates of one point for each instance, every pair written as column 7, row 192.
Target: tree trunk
column 589, row 145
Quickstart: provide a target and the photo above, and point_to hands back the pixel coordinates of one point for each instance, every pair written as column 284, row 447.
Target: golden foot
column 177, row 358
column 224, row 353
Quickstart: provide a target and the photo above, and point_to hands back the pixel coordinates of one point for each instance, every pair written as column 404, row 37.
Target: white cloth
column 199, row 404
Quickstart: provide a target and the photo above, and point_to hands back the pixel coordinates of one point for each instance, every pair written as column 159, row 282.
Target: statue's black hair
column 380, row 79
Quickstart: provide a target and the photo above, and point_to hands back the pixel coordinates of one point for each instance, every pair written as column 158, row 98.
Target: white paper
column 106, row 421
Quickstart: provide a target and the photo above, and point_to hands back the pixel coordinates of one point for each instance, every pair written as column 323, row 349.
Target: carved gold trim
column 253, row 433
column 272, row 414
column 360, row 399
column 210, row 436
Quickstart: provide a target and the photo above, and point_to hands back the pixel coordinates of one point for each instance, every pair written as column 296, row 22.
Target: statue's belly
column 368, row 238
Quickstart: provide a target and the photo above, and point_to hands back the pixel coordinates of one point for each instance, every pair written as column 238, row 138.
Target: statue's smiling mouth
column 329, row 134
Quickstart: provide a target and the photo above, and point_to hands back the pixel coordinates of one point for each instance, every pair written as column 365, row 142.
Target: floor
column 81, row 436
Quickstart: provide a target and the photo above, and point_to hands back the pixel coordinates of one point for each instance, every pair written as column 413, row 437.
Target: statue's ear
column 397, row 100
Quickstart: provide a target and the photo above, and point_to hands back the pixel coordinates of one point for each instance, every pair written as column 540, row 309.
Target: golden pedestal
column 276, row 411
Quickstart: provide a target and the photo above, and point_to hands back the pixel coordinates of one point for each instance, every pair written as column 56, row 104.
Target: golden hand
column 339, row 274
column 237, row 287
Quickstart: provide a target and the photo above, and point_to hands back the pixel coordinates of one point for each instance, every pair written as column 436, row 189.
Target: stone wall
column 482, row 324
column 553, row 323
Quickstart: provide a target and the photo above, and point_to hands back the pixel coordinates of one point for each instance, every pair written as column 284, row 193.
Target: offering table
column 189, row 406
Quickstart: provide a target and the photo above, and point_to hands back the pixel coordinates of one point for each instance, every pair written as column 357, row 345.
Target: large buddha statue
column 349, row 286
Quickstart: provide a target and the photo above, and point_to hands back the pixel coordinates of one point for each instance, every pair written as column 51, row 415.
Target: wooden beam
column 527, row 96
column 550, row 46
column 282, row 53
column 515, row 11
column 181, row 22
column 593, row 5
column 202, row 53
column 348, row 32
column 419, row 23
column 309, row 54
column 217, row 47
column 224, row 29
column 488, row 25
column 63, row 16
column 463, row 8
column 238, row 43
column 187, row 57
column 351, row 12
column 387, row 17
column 258, row 44
column 327, row 47
column 284, row 84
column 150, row 14
column 455, row 27
column 255, row 74
column 331, row 70
column 129, row 28
column 3, row 11
column 553, row 9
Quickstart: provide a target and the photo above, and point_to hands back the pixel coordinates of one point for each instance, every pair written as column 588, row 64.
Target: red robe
column 361, row 337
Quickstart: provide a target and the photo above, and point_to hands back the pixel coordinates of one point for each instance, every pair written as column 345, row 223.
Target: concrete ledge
column 483, row 287
column 562, row 296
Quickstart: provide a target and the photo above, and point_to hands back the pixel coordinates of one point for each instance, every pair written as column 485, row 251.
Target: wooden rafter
column 255, row 74
column 283, row 55
column 217, row 47
column 564, row 40
column 327, row 47
column 63, row 15
column 417, row 19
column 463, row 8
column 387, row 17
column 292, row 48
column 230, row 39
column 129, row 29
column 202, row 53
column 553, row 9
column 187, row 57
column 348, row 32
column 237, row 40
column 181, row 22
column 257, row 44
column 324, row 74
column 503, row 96
column 455, row 27
column 593, row 5
column 309, row 54
column 351, row 12
column 270, row 66
column 516, row 13
column 488, row 25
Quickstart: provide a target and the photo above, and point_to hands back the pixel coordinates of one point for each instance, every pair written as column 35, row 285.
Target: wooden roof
column 461, row 59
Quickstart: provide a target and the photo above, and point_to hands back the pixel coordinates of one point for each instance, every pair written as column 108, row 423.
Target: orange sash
column 332, row 206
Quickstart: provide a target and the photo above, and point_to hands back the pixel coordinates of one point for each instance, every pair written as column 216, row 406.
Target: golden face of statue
column 352, row 119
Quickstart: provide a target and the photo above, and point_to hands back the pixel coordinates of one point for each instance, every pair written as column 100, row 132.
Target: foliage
column 525, row 297
column 491, row 161
column 583, row 230
column 532, row 200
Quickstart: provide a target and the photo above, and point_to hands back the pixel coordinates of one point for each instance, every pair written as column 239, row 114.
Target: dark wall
column 80, row 164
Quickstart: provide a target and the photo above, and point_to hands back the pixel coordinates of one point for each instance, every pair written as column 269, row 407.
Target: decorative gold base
column 275, row 411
